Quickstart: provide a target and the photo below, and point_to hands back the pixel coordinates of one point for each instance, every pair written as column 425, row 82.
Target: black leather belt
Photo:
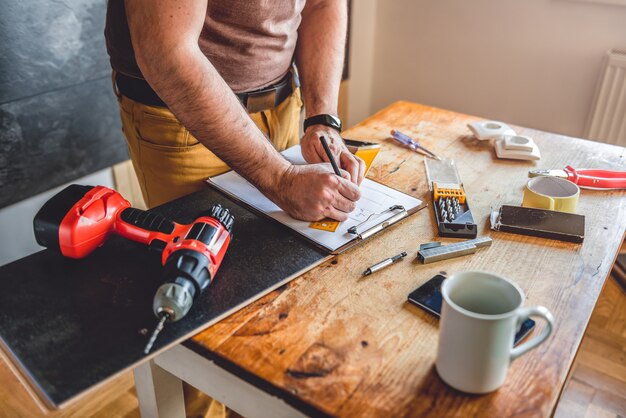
column 266, row 98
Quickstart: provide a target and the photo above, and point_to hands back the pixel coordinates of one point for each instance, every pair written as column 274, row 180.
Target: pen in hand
column 330, row 155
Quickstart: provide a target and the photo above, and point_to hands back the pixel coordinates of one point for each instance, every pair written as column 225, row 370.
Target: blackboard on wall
column 58, row 115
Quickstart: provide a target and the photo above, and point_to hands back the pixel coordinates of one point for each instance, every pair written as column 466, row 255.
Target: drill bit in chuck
column 156, row 332
column 171, row 302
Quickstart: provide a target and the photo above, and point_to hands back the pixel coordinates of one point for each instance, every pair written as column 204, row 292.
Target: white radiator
column 607, row 121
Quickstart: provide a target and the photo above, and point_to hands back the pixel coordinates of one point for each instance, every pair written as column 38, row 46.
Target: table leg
column 237, row 394
column 160, row 393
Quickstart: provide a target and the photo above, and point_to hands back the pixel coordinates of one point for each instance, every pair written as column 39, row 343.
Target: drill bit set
column 449, row 208
column 453, row 215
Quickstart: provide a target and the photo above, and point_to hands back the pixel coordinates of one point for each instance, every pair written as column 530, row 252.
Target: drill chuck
column 186, row 275
column 172, row 299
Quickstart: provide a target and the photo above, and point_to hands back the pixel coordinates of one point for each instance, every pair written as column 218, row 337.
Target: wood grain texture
column 597, row 382
column 116, row 398
column 349, row 346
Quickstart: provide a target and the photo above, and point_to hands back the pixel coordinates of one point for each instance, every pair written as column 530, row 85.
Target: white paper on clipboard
column 375, row 198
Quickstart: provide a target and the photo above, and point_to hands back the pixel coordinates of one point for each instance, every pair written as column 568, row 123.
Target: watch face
column 334, row 119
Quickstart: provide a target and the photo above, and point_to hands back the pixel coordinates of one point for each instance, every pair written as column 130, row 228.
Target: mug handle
column 534, row 342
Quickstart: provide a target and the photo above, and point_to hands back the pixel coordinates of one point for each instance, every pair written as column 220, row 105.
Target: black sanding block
column 542, row 223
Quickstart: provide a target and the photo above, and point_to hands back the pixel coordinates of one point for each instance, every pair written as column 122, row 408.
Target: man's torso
column 250, row 42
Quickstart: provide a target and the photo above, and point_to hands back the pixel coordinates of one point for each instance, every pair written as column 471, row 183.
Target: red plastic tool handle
column 597, row 179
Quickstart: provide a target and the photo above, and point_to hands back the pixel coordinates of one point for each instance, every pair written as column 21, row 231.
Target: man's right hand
column 313, row 192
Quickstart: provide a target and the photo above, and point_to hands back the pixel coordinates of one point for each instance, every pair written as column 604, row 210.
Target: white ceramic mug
column 480, row 315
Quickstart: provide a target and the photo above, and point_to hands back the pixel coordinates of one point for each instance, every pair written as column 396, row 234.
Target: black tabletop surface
column 69, row 324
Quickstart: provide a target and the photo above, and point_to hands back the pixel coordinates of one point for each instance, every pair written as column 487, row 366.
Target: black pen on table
column 330, row 155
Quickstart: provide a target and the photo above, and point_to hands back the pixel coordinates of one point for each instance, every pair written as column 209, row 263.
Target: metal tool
column 354, row 230
column 452, row 213
column 449, row 208
column 587, row 178
column 411, row 143
column 384, row 263
column 155, row 333
column 434, row 251
column 79, row 219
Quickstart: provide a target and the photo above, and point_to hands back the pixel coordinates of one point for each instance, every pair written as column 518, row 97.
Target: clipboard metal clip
column 379, row 227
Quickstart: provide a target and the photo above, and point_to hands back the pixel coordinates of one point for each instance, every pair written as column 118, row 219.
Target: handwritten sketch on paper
column 375, row 198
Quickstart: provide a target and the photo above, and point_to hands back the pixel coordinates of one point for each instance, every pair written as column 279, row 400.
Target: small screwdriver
column 411, row 143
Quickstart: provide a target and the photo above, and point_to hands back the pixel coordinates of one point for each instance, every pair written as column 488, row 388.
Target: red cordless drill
column 79, row 219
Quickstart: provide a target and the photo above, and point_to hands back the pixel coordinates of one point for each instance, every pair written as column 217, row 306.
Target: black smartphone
column 428, row 297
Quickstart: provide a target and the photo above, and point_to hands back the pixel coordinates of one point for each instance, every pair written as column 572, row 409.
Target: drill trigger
column 157, row 245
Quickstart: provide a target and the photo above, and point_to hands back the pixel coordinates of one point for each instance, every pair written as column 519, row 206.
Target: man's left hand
column 313, row 151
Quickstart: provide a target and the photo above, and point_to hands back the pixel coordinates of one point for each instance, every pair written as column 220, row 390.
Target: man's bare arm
column 320, row 54
column 165, row 39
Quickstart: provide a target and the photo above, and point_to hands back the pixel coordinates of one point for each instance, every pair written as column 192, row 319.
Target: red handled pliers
column 587, row 178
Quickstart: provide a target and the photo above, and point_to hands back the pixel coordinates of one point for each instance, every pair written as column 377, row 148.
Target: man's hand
column 313, row 192
column 313, row 152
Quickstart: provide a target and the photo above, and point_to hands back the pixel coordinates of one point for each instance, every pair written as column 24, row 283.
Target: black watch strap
column 323, row 119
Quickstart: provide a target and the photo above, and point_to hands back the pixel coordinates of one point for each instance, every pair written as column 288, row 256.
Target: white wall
column 530, row 62
column 362, row 40
column 16, row 221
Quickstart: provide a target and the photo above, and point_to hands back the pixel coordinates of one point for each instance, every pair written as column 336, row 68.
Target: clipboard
column 379, row 207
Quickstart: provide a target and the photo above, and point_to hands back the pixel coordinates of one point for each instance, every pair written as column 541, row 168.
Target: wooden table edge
column 255, row 380
column 570, row 367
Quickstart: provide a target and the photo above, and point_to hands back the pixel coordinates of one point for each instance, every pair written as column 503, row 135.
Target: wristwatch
column 323, row 119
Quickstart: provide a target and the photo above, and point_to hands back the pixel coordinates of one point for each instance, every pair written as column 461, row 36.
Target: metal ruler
column 434, row 251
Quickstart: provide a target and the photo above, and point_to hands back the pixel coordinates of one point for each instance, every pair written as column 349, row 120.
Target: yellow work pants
column 171, row 163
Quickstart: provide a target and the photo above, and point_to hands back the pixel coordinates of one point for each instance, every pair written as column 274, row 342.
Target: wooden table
column 333, row 343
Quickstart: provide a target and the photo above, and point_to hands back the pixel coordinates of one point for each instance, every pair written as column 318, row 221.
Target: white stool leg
column 160, row 393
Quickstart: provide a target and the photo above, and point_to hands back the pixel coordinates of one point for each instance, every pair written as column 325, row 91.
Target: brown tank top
column 250, row 42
